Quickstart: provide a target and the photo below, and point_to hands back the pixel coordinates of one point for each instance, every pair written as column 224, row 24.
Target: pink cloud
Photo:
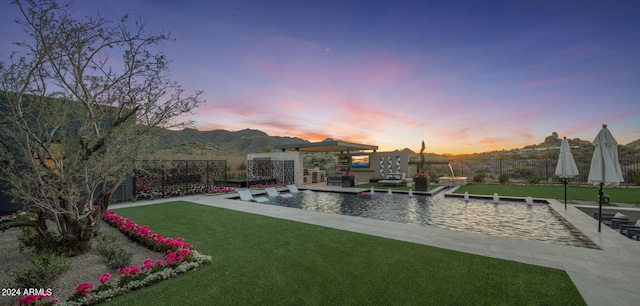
column 374, row 69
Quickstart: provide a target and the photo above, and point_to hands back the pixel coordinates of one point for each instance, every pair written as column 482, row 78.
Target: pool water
column 505, row 219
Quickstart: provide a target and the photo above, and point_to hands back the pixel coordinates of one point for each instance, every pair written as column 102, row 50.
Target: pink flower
column 147, row 264
column 84, row 288
column 422, row 174
column 105, row 278
column 33, row 298
column 159, row 262
column 185, row 252
column 29, row 299
column 124, row 271
column 134, row 270
column 171, row 260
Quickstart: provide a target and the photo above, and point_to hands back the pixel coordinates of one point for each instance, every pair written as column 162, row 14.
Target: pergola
column 326, row 146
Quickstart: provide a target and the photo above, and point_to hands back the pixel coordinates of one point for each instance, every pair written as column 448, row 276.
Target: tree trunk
column 80, row 232
column 78, row 235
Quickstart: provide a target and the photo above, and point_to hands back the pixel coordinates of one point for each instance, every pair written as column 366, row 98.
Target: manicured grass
column 581, row 193
column 259, row 260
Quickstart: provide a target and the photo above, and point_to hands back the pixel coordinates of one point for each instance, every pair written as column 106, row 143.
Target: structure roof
column 326, row 146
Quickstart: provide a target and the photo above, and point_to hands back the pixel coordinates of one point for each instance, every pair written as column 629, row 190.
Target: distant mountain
column 253, row 141
column 244, row 141
column 633, row 144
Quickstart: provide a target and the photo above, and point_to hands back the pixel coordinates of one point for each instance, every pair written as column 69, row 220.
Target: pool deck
column 610, row 276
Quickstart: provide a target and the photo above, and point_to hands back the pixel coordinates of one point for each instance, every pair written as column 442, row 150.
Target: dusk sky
column 464, row 76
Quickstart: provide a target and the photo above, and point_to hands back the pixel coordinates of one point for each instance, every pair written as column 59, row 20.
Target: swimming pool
column 505, row 219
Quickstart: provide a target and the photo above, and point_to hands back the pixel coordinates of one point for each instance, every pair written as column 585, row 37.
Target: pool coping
column 608, row 276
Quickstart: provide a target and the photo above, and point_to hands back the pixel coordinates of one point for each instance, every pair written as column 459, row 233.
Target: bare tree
column 77, row 106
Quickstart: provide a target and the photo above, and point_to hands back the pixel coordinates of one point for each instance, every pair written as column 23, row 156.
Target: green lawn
column 260, row 260
column 581, row 193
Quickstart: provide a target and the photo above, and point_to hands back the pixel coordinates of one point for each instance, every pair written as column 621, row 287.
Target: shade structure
column 566, row 167
column 605, row 167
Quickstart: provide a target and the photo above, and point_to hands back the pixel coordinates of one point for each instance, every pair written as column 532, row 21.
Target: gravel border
column 84, row 268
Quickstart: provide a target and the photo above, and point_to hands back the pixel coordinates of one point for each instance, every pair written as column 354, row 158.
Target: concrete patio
column 610, row 276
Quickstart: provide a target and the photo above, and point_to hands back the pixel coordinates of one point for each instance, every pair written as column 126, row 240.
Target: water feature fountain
column 452, row 180
column 496, row 198
column 389, row 192
column 372, row 190
column 410, row 192
column 529, row 201
column 466, row 196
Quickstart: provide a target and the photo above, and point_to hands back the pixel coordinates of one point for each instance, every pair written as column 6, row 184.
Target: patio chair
column 246, row 195
column 294, row 189
column 612, row 220
column 272, row 192
column 631, row 232
column 630, row 228
column 393, row 179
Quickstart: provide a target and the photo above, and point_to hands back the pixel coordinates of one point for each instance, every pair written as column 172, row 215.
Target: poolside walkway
column 610, row 276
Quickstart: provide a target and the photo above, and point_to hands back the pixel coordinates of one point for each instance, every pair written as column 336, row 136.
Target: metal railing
column 529, row 168
column 160, row 179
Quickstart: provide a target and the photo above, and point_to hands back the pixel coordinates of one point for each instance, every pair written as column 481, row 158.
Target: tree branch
column 24, row 223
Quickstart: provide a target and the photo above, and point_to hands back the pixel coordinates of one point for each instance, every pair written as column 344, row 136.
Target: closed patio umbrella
column 605, row 167
column 566, row 166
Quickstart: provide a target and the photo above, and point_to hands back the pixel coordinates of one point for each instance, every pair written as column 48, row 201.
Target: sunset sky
column 464, row 76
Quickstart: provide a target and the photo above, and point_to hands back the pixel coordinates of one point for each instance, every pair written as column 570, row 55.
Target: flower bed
column 144, row 192
column 6, row 218
column 262, row 186
column 221, row 190
column 180, row 257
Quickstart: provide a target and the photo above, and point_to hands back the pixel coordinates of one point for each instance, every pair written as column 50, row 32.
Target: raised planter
column 348, row 181
column 422, row 183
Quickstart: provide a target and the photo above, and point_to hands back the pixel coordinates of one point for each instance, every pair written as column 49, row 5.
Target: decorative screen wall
column 266, row 170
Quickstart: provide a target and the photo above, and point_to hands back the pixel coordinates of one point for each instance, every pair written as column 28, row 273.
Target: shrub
column 52, row 243
column 114, row 256
column 42, row 271
column 503, row 178
column 535, row 179
column 479, row 177
column 636, row 179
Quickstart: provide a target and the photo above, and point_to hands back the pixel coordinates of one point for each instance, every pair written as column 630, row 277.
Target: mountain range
column 252, row 141
column 243, row 141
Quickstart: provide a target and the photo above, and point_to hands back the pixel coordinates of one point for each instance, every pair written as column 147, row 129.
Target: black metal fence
column 529, row 169
column 160, row 179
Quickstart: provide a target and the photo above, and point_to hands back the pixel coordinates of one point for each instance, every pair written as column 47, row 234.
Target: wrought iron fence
column 159, row 179
column 542, row 169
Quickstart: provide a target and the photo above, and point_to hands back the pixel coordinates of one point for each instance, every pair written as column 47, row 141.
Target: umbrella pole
column 565, row 193
column 600, row 193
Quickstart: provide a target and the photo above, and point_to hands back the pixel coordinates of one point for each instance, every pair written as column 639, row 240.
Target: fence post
column 162, row 179
column 208, row 182
column 134, row 176
column 546, row 168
